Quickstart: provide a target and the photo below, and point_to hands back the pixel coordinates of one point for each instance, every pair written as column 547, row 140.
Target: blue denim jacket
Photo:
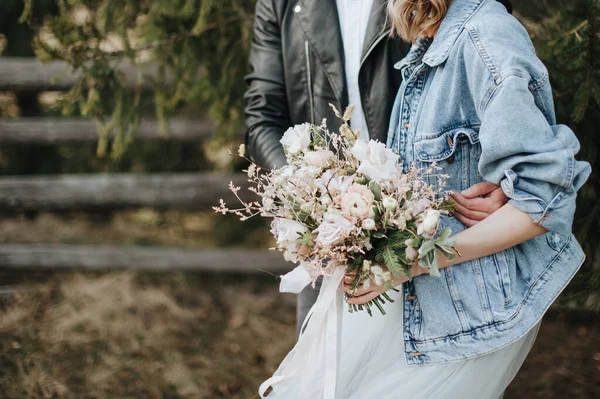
column 477, row 101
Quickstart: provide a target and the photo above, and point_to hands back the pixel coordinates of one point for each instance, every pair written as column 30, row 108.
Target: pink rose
column 357, row 201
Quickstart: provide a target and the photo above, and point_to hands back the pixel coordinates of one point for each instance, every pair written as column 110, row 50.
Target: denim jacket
column 477, row 101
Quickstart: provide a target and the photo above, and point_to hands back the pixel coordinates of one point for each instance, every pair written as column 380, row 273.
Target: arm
column 533, row 160
column 503, row 229
column 266, row 111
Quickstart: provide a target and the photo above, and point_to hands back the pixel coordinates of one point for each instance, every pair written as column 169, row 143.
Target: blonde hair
column 411, row 18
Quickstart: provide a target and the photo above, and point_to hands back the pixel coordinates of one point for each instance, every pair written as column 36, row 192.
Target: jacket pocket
column 456, row 153
column 443, row 146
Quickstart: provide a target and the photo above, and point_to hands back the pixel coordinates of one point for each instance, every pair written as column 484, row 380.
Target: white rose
column 333, row 229
column 357, row 201
column 286, row 230
column 376, row 161
column 296, row 138
column 319, row 158
column 331, row 183
column 430, row 222
column 389, row 203
column 368, row 224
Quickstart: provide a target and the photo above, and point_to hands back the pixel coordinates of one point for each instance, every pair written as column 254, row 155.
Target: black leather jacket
column 297, row 61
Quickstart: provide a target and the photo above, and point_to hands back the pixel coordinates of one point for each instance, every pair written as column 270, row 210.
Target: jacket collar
column 320, row 23
column 459, row 12
column 376, row 27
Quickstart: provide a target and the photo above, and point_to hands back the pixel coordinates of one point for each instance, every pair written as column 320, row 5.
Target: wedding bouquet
column 341, row 202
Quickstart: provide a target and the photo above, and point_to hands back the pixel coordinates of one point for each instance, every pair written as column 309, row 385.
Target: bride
column 477, row 101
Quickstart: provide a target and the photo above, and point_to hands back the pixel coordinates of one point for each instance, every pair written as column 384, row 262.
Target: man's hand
column 478, row 202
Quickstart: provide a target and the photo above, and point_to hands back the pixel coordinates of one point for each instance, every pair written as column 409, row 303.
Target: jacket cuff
column 552, row 216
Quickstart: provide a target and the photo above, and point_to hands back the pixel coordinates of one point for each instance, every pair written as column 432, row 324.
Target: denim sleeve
column 529, row 155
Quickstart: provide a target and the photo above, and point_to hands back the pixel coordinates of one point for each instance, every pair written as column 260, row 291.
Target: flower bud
column 411, row 253
column 368, row 224
column 389, row 203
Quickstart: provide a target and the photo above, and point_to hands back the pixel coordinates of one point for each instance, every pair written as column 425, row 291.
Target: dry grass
column 142, row 336
column 126, row 335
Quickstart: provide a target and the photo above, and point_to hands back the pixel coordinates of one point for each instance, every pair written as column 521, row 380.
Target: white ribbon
column 322, row 319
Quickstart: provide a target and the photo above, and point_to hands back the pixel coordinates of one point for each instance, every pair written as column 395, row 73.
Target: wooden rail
column 104, row 258
column 116, row 191
column 28, row 74
column 61, row 130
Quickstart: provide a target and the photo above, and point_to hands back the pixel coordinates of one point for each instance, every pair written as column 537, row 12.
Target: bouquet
column 341, row 202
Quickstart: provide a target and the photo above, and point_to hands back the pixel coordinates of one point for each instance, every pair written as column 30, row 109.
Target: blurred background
column 117, row 280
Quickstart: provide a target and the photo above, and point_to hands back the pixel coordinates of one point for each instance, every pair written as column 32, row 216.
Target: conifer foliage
column 199, row 47
column 570, row 48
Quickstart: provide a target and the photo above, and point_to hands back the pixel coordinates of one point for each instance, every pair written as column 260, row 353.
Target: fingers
column 349, row 277
column 466, row 221
column 363, row 298
column 474, row 215
column 486, row 205
column 479, row 189
column 361, row 290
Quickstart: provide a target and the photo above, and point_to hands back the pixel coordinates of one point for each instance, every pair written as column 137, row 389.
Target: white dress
column 371, row 363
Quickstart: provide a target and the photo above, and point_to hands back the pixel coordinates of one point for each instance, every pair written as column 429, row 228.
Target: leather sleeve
column 266, row 109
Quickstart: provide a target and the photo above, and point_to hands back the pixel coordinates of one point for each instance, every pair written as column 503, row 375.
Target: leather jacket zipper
column 309, row 82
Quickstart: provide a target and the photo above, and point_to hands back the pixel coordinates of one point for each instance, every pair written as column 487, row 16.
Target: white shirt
column 354, row 18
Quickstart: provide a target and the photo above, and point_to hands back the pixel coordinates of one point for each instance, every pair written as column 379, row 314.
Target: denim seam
column 485, row 56
column 488, row 326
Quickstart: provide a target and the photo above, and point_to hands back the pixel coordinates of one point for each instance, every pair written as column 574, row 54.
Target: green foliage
column 191, row 53
column 568, row 42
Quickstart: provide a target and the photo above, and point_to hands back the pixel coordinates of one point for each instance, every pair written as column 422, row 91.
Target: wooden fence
column 109, row 191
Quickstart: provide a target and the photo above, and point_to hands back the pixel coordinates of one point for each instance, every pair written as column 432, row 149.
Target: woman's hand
column 363, row 295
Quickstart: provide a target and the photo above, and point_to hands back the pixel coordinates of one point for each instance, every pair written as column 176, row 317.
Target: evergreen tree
column 199, row 46
column 570, row 48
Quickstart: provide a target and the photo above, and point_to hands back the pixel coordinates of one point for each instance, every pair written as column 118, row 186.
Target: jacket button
column 415, row 354
column 406, row 125
column 298, row 8
column 411, row 297
column 450, row 159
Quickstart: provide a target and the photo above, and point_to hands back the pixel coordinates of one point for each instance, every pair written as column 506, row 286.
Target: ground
column 132, row 335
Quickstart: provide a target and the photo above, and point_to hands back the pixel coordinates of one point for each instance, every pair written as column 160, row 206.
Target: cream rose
column 319, row 158
column 286, row 230
column 357, row 201
column 333, row 229
column 296, row 138
column 376, row 161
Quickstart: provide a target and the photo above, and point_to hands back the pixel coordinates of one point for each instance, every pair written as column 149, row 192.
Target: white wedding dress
column 369, row 360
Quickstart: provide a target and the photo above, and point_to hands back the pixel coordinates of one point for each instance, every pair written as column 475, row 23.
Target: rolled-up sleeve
column 531, row 157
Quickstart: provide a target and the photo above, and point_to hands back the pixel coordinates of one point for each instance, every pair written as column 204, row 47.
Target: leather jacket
column 297, row 62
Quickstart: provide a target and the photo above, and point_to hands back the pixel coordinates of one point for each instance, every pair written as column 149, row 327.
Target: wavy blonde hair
column 412, row 18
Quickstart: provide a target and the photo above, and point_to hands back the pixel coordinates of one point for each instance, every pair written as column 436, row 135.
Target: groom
column 308, row 53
